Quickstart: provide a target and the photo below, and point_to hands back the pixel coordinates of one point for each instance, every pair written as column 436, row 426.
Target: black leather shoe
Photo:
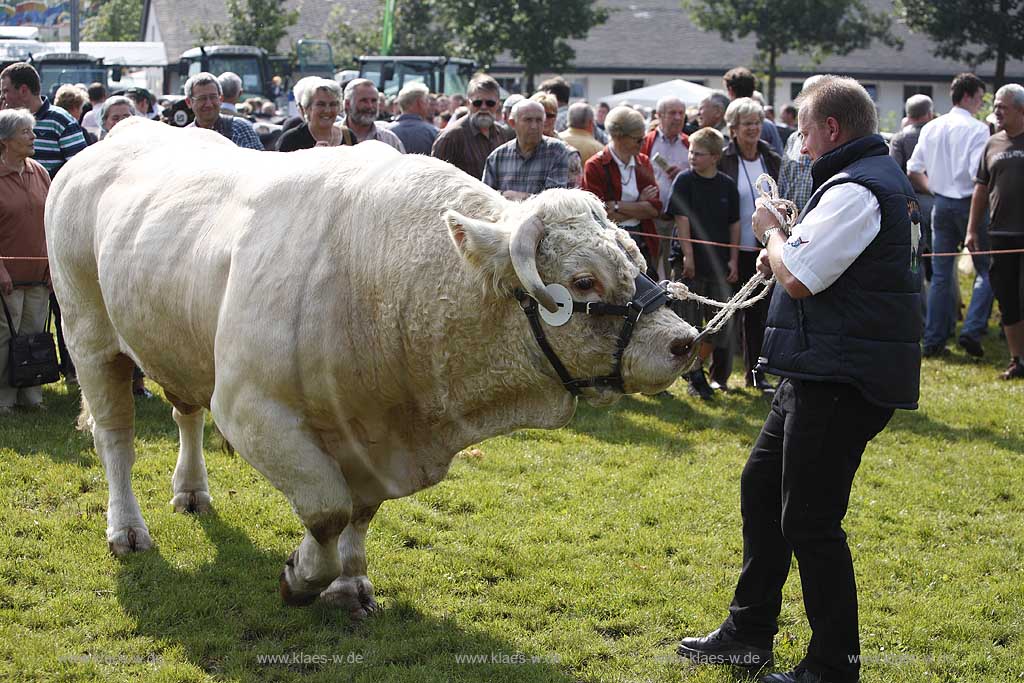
column 699, row 386
column 794, row 676
column 720, row 648
column 762, row 384
column 971, row 346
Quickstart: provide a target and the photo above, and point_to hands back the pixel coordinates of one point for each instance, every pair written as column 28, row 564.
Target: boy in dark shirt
column 705, row 205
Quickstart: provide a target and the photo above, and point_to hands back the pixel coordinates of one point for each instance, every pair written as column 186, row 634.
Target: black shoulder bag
column 31, row 358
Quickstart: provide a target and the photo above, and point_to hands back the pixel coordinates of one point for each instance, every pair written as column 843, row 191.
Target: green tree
column 114, row 20
column 817, row 30
column 418, row 31
column 533, row 31
column 973, row 31
column 262, row 23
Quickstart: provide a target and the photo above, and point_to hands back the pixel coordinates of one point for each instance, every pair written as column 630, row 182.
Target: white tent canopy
column 690, row 93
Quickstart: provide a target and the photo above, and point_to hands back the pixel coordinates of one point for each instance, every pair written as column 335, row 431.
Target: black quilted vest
column 865, row 329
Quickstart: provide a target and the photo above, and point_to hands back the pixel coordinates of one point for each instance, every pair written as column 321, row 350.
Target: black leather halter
column 649, row 297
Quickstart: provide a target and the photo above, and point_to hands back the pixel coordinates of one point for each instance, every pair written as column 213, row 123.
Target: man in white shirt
column 943, row 164
column 672, row 146
column 848, row 293
column 362, row 105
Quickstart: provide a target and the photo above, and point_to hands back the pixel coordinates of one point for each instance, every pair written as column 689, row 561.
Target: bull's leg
column 276, row 441
column 353, row 590
column 107, row 390
column 191, row 490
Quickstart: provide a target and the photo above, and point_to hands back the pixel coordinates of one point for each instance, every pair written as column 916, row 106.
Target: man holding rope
column 843, row 331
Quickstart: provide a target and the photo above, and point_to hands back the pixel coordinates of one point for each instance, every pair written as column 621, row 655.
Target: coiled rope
column 786, row 213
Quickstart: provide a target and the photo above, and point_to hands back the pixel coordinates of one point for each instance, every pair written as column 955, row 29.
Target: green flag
column 387, row 34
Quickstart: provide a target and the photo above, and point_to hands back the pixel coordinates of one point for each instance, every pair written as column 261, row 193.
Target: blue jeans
column 949, row 227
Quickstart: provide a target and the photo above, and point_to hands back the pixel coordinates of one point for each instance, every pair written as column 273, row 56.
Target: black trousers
column 794, row 492
column 67, row 366
column 752, row 322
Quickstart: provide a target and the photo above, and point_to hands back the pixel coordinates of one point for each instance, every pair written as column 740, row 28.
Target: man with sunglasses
column 467, row 142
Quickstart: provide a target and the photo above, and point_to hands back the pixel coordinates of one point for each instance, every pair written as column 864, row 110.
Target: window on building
column 872, row 90
column 624, row 84
column 579, row 89
column 911, row 90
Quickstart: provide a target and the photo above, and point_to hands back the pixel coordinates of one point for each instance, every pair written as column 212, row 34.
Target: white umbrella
column 690, row 93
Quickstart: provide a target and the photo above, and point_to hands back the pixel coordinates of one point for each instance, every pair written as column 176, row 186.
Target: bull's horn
column 524, row 260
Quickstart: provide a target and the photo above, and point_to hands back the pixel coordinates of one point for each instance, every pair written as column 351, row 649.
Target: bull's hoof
column 195, row 502
column 351, row 593
column 129, row 539
column 291, row 597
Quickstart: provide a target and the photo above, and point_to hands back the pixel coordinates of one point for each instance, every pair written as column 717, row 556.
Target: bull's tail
column 85, row 421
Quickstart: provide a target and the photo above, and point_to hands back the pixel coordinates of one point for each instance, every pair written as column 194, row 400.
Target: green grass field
column 581, row 554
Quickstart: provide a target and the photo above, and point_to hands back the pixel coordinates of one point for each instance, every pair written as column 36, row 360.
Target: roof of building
column 668, row 42
column 640, row 36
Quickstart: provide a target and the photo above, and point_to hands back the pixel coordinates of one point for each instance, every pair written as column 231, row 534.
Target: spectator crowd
column 681, row 178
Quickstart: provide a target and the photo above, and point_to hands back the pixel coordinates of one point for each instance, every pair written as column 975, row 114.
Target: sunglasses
column 489, row 103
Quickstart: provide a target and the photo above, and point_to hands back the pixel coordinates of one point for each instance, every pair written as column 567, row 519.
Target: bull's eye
column 584, row 284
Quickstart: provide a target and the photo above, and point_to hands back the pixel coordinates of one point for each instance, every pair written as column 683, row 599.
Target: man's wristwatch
column 767, row 235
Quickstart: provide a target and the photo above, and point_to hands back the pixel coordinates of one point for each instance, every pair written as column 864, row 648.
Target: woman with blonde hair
column 745, row 158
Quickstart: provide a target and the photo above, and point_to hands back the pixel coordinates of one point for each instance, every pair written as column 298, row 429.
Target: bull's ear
column 485, row 245
column 627, row 244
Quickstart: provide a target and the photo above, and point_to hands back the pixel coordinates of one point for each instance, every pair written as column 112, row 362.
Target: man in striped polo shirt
column 58, row 135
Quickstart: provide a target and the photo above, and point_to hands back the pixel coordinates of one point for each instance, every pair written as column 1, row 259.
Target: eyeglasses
column 206, row 98
column 480, row 103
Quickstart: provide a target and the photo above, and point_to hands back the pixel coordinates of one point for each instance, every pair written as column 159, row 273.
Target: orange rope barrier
column 741, row 248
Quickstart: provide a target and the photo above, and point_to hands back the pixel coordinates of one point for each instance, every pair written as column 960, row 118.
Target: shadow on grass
column 740, row 413
column 51, row 431
column 227, row 618
column 921, row 424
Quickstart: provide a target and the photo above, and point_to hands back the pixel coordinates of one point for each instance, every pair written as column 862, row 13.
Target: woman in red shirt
column 623, row 179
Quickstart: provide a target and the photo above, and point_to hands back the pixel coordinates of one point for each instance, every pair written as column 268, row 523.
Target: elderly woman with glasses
column 623, row 179
column 113, row 110
column 550, row 104
column 745, row 158
column 319, row 105
column 23, row 283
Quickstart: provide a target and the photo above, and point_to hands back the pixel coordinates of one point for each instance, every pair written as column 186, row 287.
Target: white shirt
column 676, row 154
column 746, row 175
column 949, row 150
column 629, row 192
column 831, row 237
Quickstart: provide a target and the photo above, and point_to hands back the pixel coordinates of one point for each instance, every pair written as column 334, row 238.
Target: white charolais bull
column 346, row 314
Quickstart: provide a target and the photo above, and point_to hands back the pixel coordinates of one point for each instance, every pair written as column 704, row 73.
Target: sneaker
column 1015, row 370
column 971, row 346
column 699, row 386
